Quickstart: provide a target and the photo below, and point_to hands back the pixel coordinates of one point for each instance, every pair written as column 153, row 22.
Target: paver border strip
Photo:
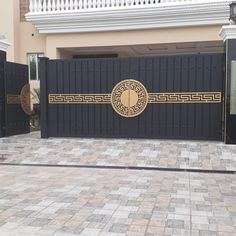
column 124, row 168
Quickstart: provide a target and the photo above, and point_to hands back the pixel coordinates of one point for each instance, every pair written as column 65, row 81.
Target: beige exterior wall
column 30, row 41
column 7, row 26
column 19, row 34
column 135, row 37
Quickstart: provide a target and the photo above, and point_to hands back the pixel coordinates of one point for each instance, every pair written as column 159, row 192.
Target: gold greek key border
column 79, row 98
column 22, row 99
column 13, row 99
column 185, row 97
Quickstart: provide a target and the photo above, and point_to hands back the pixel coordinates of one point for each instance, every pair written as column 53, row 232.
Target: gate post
column 43, row 75
column 3, row 47
column 228, row 33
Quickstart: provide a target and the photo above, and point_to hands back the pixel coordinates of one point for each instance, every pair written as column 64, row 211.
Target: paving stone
column 78, row 201
column 175, row 223
column 40, row 222
column 119, row 228
column 97, row 218
column 30, row 148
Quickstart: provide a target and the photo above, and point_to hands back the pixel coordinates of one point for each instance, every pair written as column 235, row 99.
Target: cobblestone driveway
column 118, row 152
column 40, row 201
column 66, row 201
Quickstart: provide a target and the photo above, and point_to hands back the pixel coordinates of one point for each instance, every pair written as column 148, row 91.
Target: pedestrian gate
column 172, row 97
column 15, row 98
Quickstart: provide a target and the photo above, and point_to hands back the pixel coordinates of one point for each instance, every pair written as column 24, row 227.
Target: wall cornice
column 215, row 12
column 228, row 32
column 3, row 44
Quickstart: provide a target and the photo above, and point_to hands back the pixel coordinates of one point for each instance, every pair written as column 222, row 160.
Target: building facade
column 114, row 28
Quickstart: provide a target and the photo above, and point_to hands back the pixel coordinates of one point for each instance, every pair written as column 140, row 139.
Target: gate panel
column 2, row 93
column 17, row 99
column 183, row 97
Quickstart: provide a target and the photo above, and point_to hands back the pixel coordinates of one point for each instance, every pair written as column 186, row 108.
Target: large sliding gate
column 14, row 98
column 177, row 97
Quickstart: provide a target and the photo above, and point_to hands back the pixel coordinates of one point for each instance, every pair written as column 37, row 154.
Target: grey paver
column 30, row 149
column 37, row 201
column 169, row 206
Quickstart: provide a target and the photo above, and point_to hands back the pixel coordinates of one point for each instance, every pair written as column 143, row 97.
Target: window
column 33, row 65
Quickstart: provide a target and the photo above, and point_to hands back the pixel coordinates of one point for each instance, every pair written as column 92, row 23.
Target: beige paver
column 30, row 149
column 74, row 201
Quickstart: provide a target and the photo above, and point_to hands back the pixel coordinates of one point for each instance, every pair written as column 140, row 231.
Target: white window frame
column 37, row 55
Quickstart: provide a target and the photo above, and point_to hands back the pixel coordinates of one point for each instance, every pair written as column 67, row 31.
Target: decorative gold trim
column 193, row 97
column 186, row 97
column 129, row 98
column 79, row 98
column 13, row 99
column 23, row 99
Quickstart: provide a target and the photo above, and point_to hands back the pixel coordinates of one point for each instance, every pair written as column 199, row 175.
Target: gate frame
column 43, row 73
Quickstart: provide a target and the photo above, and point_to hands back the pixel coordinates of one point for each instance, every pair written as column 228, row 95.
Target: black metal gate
column 174, row 97
column 15, row 99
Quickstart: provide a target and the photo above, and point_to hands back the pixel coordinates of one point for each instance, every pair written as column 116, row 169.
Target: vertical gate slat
column 162, row 115
column 184, row 108
column 108, row 87
column 91, row 89
column 61, row 111
column 73, row 90
column 84, row 89
column 124, row 128
column 104, row 112
column 53, row 111
column 116, row 78
column 191, row 88
column 199, row 107
column 169, row 87
column 149, row 86
column 177, row 107
column 142, row 78
column 66, row 80
column 98, row 89
column 155, row 87
column 206, row 113
column 79, row 89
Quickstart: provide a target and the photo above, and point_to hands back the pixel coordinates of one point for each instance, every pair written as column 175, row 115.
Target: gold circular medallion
column 25, row 99
column 129, row 98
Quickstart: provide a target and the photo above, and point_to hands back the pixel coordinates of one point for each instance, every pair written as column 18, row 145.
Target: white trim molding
column 174, row 14
column 3, row 44
column 228, row 32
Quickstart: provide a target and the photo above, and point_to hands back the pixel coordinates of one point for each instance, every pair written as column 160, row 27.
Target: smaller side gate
column 15, row 99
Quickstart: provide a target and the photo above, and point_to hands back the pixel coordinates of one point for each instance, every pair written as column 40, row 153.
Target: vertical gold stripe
column 129, row 99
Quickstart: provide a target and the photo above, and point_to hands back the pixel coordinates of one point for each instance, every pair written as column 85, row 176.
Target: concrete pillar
column 228, row 33
column 3, row 48
column 3, row 44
